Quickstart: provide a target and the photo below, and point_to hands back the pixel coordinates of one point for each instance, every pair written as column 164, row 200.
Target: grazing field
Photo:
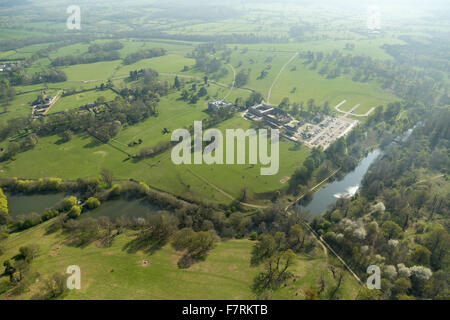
column 170, row 63
column 231, row 178
column 310, row 84
column 299, row 83
column 91, row 71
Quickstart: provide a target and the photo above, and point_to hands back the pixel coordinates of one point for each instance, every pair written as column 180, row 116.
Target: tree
column 28, row 253
column 263, row 249
column 74, row 212
column 92, row 203
column 116, row 190
column 69, row 202
column 242, row 78
column 284, row 103
column 176, row 83
column 401, row 286
column 54, row 287
column 311, row 294
column 194, row 99
column 420, row 256
column 202, row 92
column 197, row 245
column 9, row 269
column 107, row 177
column 3, row 202
column 184, row 95
column 66, row 135
column 296, row 238
column 419, row 278
column 438, row 242
column 368, row 294
column 438, row 288
column 255, row 98
column 391, row 230
column 13, row 149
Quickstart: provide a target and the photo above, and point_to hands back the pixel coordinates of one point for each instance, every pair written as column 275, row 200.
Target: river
column 350, row 184
column 346, row 187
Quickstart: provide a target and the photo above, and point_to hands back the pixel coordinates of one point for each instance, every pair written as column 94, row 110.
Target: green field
column 80, row 158
column 92, row 71
column 310, row 84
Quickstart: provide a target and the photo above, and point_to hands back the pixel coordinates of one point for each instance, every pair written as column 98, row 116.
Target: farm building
column 218, row 105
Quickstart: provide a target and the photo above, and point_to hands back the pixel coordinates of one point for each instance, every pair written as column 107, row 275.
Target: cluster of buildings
column 42, row 104
column 6, row 66
column 273, row 117
column 318, row 132
column 219, row 105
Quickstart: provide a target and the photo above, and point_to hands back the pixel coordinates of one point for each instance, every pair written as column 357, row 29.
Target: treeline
column 67, row 38
column 241, row 38
column 432, row 55
column 17, row 76
column 144, row 54
column 107, row 46
column 86, row 58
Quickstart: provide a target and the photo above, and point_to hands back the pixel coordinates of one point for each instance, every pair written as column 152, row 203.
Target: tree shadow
column 61, row 141
column 93, row 143
column 145, row 245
